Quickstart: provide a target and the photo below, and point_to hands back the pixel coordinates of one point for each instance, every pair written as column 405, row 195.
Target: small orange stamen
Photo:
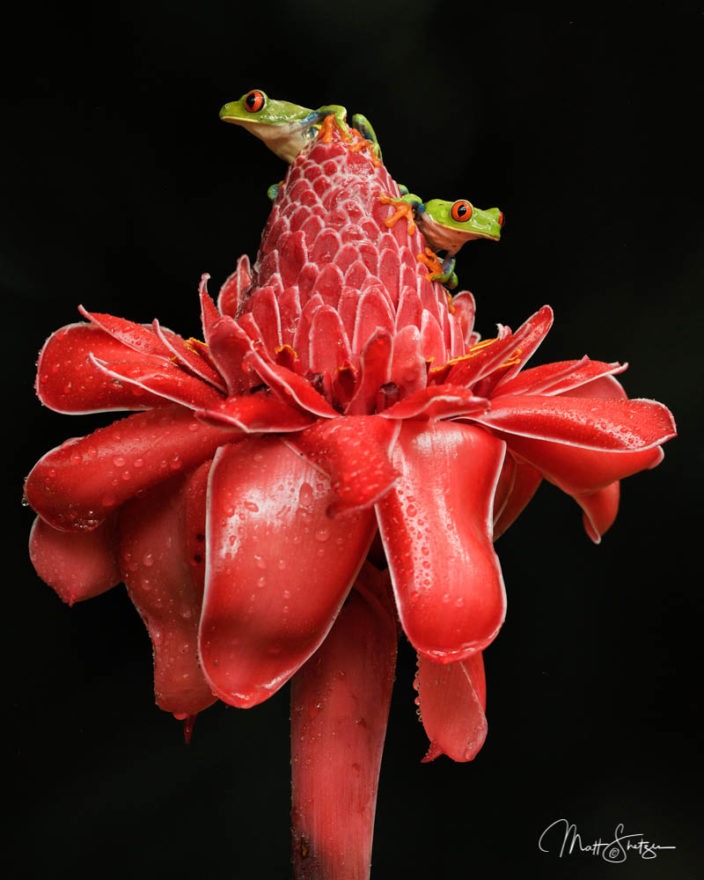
column 513, row 360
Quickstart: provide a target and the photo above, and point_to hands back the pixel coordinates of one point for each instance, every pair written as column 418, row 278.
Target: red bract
column 338, row 400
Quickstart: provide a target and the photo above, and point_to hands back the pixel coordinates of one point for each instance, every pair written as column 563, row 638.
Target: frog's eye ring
column 254, row 101
column 461, row 211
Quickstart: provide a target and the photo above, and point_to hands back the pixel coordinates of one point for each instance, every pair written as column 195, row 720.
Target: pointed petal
column 560, row 377
column 452, row 699
column 591, row 423
column 255, row 413
column 138, row 337
column 600, row 510
column 436, row 525
column 504, row 356
column 375, row 363
column 78, row 565
column 76, row 485
column 190, row 354
column 339, row 709
column 233, row 292
column 437, row 402
column 158, row 576
column 577, row 470
column 278, row 567
column 69, row 381
column 517, row 485
column 162, row 378
column 354, row 453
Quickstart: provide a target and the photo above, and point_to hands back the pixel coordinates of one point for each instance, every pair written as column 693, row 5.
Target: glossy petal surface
column 278, row 570
column 437, row 533
column 452, row 700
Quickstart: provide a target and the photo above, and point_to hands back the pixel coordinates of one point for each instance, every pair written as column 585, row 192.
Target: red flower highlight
column 339, row 401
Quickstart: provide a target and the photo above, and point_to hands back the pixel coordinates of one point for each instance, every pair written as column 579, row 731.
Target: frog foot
column 432, row 262
column 329, row 123
column 359, row 143
column 437, row 269
column 403, row 209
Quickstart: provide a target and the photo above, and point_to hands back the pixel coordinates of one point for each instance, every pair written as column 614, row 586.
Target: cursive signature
column 562, row 837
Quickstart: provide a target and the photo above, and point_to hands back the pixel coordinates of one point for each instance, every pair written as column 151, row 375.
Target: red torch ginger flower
column 339, row 403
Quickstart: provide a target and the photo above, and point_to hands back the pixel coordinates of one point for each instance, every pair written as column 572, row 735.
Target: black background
column 120, row 187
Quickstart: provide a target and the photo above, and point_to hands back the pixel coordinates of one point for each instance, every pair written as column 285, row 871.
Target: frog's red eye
column 461, row 211
column 254, row 101
column 500, row 218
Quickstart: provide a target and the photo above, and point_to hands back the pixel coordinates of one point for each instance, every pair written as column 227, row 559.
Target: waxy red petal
column 517, row 485
column 600, row 510
column 452, row 700
column 76, row 485
column 139, row 337
column 590, row 423
column 256, row 413
column 78, row 565
column 437, row 402
column 561, row 377
column 579, row 471
column 339, row 709
column 233, row 291
column 159, row 579
column 354, row 451
column 279, row 567
column 164, row 379
column 436, row 525
column 191, row 354
column 69, row 381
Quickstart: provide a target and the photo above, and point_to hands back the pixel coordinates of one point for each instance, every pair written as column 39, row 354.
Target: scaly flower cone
column 340, row 436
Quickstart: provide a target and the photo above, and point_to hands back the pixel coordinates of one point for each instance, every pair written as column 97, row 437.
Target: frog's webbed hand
column 369, row 140
column 329, row 115
column 405, row 207
column 437, row 270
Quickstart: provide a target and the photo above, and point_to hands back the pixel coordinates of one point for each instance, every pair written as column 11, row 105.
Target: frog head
column 284, row 127
column 448, row 225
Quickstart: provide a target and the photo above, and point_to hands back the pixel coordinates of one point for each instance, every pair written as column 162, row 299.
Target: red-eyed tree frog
column 446, row 226
column 284, row 127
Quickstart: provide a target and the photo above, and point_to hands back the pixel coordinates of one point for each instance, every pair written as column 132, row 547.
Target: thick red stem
column 339, row 711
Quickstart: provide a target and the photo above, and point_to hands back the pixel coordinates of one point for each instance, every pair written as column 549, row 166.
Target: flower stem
column 339, row 711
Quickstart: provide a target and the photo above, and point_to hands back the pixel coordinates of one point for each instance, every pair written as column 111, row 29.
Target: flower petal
column 436, row 525
column 354, row 452
column 162, row 378
column 158, row 576
column 437, row 402
column 256, row 413
column 78, row 565
column 518, row 484
column 591, row 423
column 278, row 567
column 339, row 709
column 560, row 377
column 76, row 485
column 600, row 509
column 69, row 381
column 452, row 699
